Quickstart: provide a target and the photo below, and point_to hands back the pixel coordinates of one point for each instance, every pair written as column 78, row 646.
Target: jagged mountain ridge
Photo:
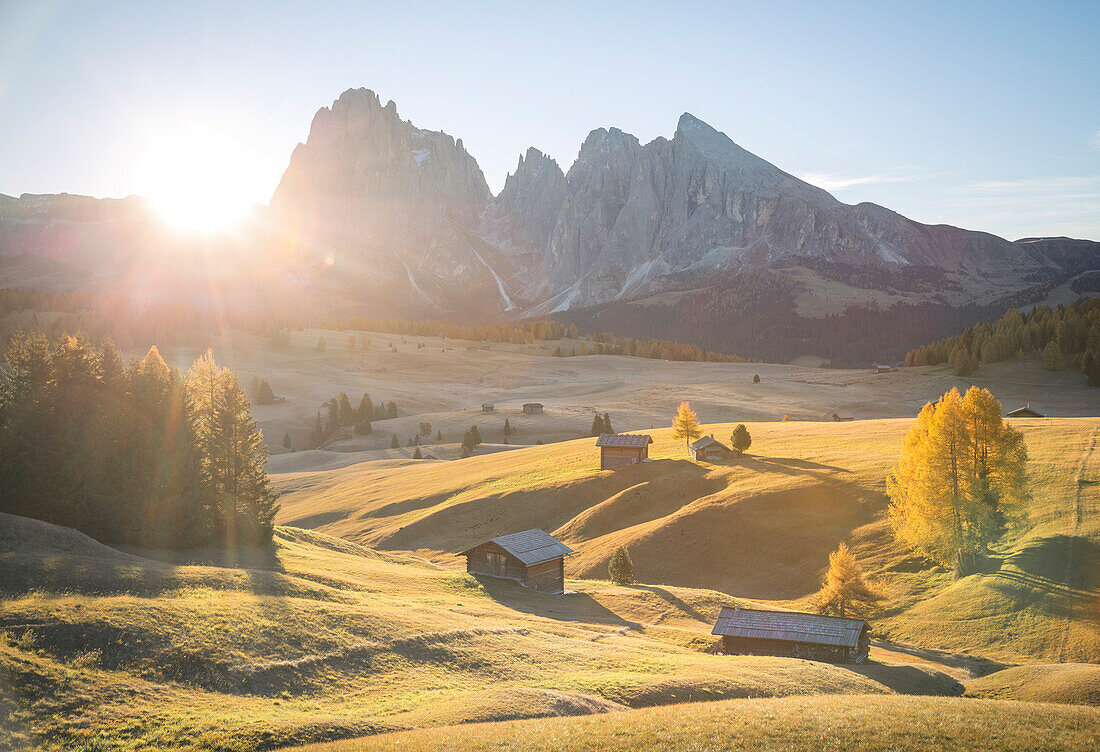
column 391, row 217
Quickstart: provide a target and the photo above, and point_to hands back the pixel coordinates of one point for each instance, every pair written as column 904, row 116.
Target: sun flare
column 197, row 178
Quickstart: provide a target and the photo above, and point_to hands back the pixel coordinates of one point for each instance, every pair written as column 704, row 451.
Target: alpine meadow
column 324, row 429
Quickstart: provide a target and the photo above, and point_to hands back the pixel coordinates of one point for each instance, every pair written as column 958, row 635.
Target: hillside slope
column 319, row 638
column 761, row 527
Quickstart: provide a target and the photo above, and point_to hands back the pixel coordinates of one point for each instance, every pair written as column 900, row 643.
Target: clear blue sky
column 980, row 114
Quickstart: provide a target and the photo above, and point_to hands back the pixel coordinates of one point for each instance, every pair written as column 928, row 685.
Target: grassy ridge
column 761, row 527
column 870, row 724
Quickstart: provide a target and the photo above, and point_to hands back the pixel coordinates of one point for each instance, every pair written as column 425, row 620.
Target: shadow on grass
column 578, row 607
column 976, row 666
column 786, row 465
column 673, row 601
column 909, row 680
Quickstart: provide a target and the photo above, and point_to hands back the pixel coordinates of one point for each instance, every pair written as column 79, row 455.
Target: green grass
column 870, row 724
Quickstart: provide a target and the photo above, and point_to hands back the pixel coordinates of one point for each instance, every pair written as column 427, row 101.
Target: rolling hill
column 761, row 527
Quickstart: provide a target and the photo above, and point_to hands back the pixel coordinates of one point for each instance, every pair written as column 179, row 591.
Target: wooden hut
column 1025, row 412
column 532, row 408
column 790, row 633
column 710, row 449
column 621, row 449
column 488, row 407
column 533, row 558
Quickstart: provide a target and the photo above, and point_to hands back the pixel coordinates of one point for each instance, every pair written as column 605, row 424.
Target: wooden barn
column 710, row 449
column 1025, row 412
column 488, row 407
column 789, row 633
column 621, row 449
column 533, row 558
column 532, row 408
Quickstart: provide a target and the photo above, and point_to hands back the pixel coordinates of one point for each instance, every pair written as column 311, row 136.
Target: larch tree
column 686, row 424
column 607, row 423
column 961, row 474
column 845, row 591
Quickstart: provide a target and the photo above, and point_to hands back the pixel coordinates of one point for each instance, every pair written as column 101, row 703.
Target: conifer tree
column 756, row 378
column 287, row 442
column 607, row 424
column 597, row 425
column 507, row 428
column 1052, row 356
column 620, row 568
column 962, row 471
column 366, row 408
column 685, row 425
column 395, row 444
column 264, row 394
column 475, row 435
column 740, row 439
column 439, row 436
column 845, row 591
column 417, row 455
column 363, row 427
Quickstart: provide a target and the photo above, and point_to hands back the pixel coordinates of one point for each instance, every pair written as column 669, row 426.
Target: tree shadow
column 909, row 680
column 975, row 666
column 673, row 601
column 573, row 607
column 786, row 465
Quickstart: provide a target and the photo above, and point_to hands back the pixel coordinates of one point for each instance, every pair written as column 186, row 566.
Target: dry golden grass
column 858, row 723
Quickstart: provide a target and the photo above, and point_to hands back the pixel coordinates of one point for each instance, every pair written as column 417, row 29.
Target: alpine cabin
column 488, row 407
column 532, row 408
column 621, row 449
column 752, row 631
column 533, row 558
column 709, row 449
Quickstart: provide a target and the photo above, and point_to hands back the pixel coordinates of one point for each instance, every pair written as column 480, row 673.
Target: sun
column 198, row 178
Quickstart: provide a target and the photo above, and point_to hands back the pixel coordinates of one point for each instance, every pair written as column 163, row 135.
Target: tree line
column 134, row 453
column 1062, row 337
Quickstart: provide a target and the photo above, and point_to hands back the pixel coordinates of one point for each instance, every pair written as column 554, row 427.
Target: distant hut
column 621, row 449
column 789, row 633
column 488, row 407
column 533, row 558
column 710, row 449
column 879, row 368
column 840, row 419
column 1025, row 412
column 532, row 408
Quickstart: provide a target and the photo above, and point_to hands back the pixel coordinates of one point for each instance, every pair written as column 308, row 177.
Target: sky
column 984, row 115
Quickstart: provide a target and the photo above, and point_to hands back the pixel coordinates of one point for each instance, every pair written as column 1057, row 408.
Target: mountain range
column 374, row 214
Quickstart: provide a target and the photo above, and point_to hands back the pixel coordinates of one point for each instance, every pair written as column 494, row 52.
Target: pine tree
column 597, row 425
column 845, row 591
column 395, row 444
column 475, row 435
column 557, row 352
column 345, row 415
column 317, row 435
column 620, row 568
column 232, row 455
column 1091, row 366
column 686, row 424
column 425, row 428
column 439, row 436
column 507, row 428
column 740, row 439
column 366, row 408
column 287, row 442
column 363, row 427
column 962, row 471
column 417, row 455
column 607, row 424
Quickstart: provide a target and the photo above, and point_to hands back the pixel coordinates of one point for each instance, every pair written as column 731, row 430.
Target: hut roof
column 531, row 546
column 636, row 440
column 1027, row 411
column 706, row 441
column 790, row 626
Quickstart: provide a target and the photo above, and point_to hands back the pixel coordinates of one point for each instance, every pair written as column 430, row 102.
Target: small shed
column 790, row 633
column 533, row 558
column 710, row 449
column 621, row 449
column 840, row 418
column 488, row 407
column 879, row 368
column 532, row 408
column 1025, row 412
